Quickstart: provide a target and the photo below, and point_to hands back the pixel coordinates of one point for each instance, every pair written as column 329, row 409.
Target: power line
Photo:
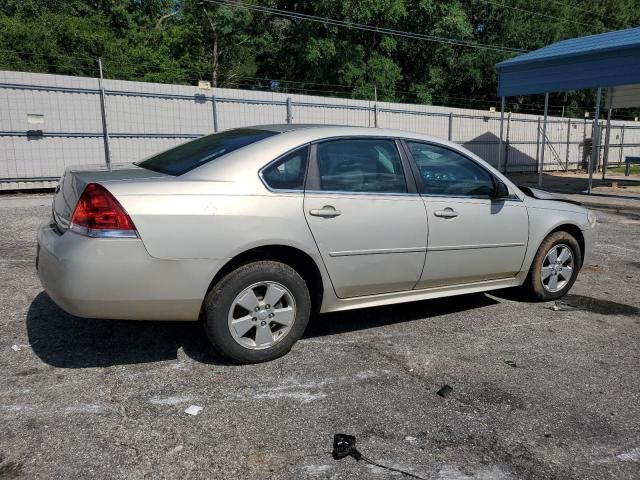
column 365, row 27
column 523, row 10
column 574, row 6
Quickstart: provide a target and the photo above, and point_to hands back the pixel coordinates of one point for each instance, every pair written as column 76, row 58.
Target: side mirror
column 501, row 190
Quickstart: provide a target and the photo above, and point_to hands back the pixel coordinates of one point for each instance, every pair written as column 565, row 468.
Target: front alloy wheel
column 555, row 266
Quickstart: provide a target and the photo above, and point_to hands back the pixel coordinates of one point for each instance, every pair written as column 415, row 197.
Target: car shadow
column 361, row 319
column 65, row 341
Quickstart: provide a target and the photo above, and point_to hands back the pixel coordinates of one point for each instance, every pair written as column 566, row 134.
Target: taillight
column 99, row 214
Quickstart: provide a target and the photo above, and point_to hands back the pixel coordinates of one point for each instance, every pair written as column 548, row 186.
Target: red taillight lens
column 97, row 209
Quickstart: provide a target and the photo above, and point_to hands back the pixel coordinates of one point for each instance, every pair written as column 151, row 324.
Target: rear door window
column 190, row 155
column 367, row 165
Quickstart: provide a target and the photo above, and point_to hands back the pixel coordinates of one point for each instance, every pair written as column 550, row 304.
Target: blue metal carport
column 596, row 61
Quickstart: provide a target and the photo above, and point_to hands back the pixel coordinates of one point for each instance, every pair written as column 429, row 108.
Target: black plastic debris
column 445, row 391
column 511, row 363
column 345, row 446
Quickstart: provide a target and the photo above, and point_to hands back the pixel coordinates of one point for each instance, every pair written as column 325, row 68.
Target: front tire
column 555, row 266
column 257, row 312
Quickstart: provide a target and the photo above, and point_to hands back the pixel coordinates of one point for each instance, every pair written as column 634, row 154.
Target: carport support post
column 538, row 144
column 501, row 132
column 103, row 111
column 595, row 139
column 544, row 137
column 607, row 138
column 566, row 159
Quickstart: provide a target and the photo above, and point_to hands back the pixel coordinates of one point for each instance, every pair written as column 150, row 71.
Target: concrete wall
column 49, row 122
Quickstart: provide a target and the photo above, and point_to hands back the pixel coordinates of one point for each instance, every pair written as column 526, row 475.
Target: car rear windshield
column 193, row 154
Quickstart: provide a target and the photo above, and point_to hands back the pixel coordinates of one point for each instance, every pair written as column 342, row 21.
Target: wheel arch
column 574, row 231
column 297, row 259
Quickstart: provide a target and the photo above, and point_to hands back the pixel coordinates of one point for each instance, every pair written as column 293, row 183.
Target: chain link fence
column 51, row 122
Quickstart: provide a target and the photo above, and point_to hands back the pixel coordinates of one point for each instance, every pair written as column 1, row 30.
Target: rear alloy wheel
column 257, row 312
column 555, row 266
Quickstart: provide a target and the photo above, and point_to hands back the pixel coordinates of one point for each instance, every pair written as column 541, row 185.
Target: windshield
column 193, row 154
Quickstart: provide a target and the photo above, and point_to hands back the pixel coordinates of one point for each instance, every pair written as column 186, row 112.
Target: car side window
column 361, row 165
column 447, row 173
column 288, row 172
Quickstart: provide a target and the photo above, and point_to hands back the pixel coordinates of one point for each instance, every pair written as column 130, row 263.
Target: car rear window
column 190, row 155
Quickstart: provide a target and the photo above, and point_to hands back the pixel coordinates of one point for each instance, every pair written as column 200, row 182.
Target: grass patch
column 635, row 169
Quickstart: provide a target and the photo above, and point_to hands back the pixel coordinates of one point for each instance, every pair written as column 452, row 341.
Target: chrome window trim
column 373, row 194
column 95, row 233
column 276, row 160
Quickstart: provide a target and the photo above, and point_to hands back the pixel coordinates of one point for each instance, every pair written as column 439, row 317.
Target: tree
column 183, row 41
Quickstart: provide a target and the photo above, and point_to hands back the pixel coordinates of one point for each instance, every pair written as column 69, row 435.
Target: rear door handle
column 446, row 213
column 327, row 212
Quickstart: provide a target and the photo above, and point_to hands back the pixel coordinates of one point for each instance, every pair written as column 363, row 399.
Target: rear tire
column 257, row 312
column 555, row 266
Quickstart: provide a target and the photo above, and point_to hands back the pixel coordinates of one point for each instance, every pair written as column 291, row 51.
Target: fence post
column 538, row 146
column 450, row 135
column 375, row 115
column 214, row 111
column 289, row 111
column 607, row 137
column 621, row 145
column 566, row 160
column 506, row 143
column 502, row 103
column 103, row 111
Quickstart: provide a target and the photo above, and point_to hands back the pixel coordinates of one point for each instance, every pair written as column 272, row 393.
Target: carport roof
column 602, row 60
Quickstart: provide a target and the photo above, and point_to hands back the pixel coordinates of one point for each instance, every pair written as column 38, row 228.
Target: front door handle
column 327, row 212
column 446, row 213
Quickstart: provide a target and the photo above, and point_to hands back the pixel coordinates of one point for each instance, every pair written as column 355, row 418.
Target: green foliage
column 183, row 41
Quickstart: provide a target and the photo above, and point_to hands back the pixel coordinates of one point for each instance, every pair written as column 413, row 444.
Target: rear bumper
column 118, row 279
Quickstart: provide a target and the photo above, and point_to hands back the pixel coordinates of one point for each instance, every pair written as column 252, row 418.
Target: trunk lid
column 75, row 179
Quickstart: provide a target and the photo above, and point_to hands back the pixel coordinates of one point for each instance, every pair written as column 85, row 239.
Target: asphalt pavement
column 539, row 390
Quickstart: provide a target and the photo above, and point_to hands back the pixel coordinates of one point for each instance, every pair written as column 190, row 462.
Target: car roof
column 318, row 131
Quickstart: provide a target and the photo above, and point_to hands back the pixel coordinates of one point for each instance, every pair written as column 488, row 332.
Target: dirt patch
column 264, row 463
column 593, row 269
